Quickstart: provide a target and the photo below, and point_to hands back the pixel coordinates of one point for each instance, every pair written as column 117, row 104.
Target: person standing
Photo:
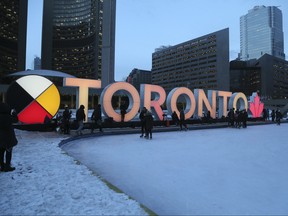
column 122, row 110
column 142, row 120
column 66, row 120
column 245, row 118
column 175, row 118
column 80, row 118
column 273, row 115
column 231, row 117
column 7, row 138
column 96, row 118
column 278, row 117
column 148, row 124
column 182, row 120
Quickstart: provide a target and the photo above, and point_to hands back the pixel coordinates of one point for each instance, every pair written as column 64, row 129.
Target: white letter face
column 146, row 91
column 106, row 101
column 210, row 104
column 238, row 101
column 82, row 92
column 223, row 102
column 189, row 98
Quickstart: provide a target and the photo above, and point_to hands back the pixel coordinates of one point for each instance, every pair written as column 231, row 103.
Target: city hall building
column 78, row 38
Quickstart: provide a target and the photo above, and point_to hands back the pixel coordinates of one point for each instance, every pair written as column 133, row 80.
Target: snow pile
column 49, row 182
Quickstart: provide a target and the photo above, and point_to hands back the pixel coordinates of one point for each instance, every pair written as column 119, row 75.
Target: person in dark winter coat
column 244, row 118
column 143, row 122
column 182, row 120
column 123, row 110
column 7, row 138
column 231, row 117
column 278, row 117
column 80, row 117
column 273, row 115
column 96, row 118
column 237, row 119
column 175, row 118
column 66, row 120
column 148, row 124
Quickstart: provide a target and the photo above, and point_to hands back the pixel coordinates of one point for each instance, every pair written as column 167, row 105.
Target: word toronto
column 153, row 97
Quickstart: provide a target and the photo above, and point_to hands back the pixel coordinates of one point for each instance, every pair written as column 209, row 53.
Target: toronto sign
column 36, row 98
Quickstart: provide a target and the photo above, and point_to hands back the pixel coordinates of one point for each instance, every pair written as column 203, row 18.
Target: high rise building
column 78, row 38
column 261, row 31
column 267, row 75
column 13, row 19
column 37, row 63
column 138, row 77
column 198, row 63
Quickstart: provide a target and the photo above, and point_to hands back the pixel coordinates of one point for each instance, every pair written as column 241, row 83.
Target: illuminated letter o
column 134, row 100
column 235, row 98
column 189, row 98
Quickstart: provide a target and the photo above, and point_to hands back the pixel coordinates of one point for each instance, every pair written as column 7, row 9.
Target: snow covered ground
column 49, row 182
column 224, row 171
column 199, row 172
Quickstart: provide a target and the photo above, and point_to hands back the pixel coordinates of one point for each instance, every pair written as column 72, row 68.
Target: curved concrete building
column 76, row 35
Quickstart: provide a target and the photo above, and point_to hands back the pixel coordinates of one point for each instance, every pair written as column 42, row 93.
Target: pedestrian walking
column 80, row 118
column 7, row 138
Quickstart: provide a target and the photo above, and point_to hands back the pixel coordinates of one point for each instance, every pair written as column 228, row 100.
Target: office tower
column 138, row 77
column 78, row 38
column 199, row 63
column 261, row 31
column 37, row 63
column 13, row 19
column 266, row 75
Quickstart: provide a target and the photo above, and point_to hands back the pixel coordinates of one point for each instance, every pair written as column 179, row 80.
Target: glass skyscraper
column 78, row 38
column 261, row 31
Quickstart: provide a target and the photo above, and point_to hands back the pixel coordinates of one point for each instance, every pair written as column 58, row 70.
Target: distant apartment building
column 13, row 19
column 37, row 63
column 198, row 63
column 138, row 77
column 261, row 32
column 268, row 75
column 78, row 38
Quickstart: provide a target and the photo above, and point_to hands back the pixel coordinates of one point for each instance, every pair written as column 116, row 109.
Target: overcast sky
column 144, row 25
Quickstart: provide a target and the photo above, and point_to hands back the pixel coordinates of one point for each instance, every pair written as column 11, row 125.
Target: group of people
column 96, row 119
column 275, row 116
column 146, row 119
column 237, row 119
column 179, row 121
